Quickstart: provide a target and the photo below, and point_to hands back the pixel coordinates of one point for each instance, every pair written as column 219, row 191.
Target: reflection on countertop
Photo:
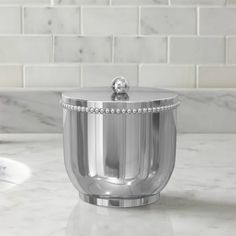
column 199, row 199
column 12, row 173
column 89, row 220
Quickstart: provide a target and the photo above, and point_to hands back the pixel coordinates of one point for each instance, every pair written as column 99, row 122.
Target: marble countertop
column 200, row 198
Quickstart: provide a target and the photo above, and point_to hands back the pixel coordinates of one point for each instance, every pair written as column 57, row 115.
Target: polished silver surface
column 120, row 160
column 120, row 85
column 118, row 110
column 102, row 97
column 119, row 202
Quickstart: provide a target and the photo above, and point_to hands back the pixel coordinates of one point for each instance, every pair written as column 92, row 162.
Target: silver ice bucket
column 120, row 144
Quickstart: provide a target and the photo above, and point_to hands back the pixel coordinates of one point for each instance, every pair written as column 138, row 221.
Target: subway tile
column 231, row 2
column 197, row 50
column 52, row 76
column 168, row 20
column 110, row 20
column 83, row 49
column 82, row 2
column 140, row 49
column 167, row 76
column 139, row 2
column 11, row 76
column 25, row 49
column 198, row 2
column 46, row 20
column 218, row 21
column 31, row 2
column 231, row 50
column 10, row 20
column 102, row 75
column 217, row 77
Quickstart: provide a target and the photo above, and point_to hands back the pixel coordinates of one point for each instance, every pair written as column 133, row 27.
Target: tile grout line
column 168, row 50
column 53, row 49
column 139, row 21
column 198, row 21
column 116, row 35
column 69, row 63
column 139, row 73
column 197, row 75
column 22, row 20
column 232, row 6
column 81, row 21
column 113, row 50
column 226, row 50
column 23, row 76
column 81, row 76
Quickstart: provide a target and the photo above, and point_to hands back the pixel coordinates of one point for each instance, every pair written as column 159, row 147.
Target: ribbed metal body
column 120, row 160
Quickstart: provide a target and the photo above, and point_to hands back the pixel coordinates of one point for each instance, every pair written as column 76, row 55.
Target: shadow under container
column 119, row 149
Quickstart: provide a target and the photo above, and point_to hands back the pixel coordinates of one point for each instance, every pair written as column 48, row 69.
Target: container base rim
column 119, row 202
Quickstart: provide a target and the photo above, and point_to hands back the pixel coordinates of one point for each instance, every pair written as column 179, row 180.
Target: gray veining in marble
column 207, row 111
column 199, row 199
column 31, row 111
column 201, row 111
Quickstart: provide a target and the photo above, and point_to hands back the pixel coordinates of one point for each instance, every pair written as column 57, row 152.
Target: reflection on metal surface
column 119, row 153
column 150, row 220
column 131, row 157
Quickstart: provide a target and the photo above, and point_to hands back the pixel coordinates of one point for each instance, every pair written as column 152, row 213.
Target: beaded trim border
column 96, row 110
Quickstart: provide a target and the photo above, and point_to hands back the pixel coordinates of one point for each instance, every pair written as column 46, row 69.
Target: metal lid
column 120, row 99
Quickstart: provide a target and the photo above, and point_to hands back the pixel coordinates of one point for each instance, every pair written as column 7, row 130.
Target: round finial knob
column 120, row 85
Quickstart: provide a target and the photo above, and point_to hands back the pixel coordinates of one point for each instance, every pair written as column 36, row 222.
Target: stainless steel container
column 120, row 144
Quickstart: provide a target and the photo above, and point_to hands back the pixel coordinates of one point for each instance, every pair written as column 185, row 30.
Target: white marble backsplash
column 173, row 43
column 201, row 111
